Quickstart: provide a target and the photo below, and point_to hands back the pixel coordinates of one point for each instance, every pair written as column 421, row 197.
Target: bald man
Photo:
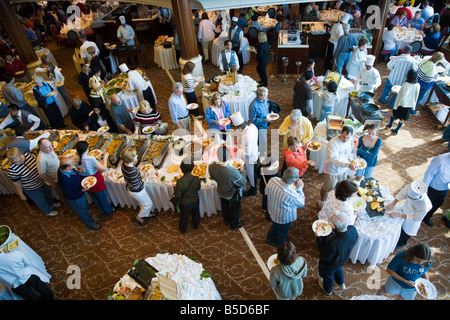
column 121, row 115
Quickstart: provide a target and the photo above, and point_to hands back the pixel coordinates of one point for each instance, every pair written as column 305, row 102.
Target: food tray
column 4, row 139
column 140, row 146
column 95, row 142
column 157, row 152
column 375, row 193
column 114, row 146
column 67, row 142
column 330, row 75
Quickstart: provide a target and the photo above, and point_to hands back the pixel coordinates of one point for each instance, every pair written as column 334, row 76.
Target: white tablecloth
column 238, row 101
column 217, row 48
column 267, row 23
column 407, row 36
column 377, row 236
column 46, row 52
column 341, row 104
column 165, row 57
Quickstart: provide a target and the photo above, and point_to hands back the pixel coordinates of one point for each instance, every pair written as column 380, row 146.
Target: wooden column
column 377, row 41
column 185, row 28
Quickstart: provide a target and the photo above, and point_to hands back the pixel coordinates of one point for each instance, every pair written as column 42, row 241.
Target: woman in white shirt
column 55, row 75
column 390, row 40
column 405, row 102
column 189, row 83
column 339, row 200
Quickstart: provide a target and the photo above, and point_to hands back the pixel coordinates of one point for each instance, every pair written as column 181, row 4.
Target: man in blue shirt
column 177, row 108
column 259, row 109
column 344, row 48
column 417, row 22
column 437, row 178
column 121, row 115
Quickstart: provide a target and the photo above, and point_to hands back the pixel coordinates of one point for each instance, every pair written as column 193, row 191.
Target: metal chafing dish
column 68, row 141
column 140, row 146
column 114, row 146
column 157, row 152
column 4, row 139
column 335, row 123
column 95, row 142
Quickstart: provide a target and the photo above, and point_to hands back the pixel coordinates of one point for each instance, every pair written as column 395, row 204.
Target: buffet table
column 178, row 278
column 377, row 236
column 46, row 52
column 165, row 58
column 239, row 96
column 218, row 47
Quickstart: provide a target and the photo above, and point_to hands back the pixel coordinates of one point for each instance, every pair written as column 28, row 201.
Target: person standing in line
column 284, row 196
column 302, row 94
column 121, row 115
column 70, row 183
column 262, row 57
column 230, row 181
column 206, row 35
column 336, row 32
column 427, row 74
column 135, row 186
column 236, row 35
column 286, row 278
column 178, row 108
column 437, row 180
column 259, row 109
column 297, row 125
column 267, row 169
column 335, row 250
column 187, row 188
column 189, row 83
column 344, row 48
column 44, row 95
column 368, row 148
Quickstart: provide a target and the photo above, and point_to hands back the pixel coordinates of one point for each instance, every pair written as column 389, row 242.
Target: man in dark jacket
column 79, row 113
column 335, row 251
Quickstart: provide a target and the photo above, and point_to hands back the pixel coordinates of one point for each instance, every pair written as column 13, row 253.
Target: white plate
column 192, row 106
column 322, row 232
column 69, row 153
column 429, row 287
column 135, row 110
column 148, row 129
column 96, row 151
column 103, row 129
column 396, row 89
column 360, row 163
column 85, row 182
column 311, row 149
column 250, row 48
column 355, row 202
column 271, row 261
column 273, row 116
column 200, row 79
column 224, row 121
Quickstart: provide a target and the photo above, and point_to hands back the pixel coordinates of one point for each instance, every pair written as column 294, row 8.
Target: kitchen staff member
column 125, row 32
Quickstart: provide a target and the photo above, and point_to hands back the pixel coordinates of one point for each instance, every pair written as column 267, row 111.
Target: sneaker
column 342, row 286
column 52, row 214
column 56, row 205
column 320, row 281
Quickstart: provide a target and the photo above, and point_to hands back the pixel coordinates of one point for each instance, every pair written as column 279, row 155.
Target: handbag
column 176, row 200
column 274, row 107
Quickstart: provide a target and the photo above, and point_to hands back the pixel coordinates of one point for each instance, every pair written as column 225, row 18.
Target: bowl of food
column 358, row 203
column 5, row 235
column 272, row 261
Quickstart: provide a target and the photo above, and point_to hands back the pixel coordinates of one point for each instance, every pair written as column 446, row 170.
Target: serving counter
column 293, row 46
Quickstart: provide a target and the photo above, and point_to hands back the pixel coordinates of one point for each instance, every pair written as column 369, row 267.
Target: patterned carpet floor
column 104, row 256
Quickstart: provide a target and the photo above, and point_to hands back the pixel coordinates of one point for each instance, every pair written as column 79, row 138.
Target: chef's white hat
column 123, row 67
column 237, row 118
column 416, row 189
column 235, row 19
column 122, row 20
column 370, row 60
column 346, row 17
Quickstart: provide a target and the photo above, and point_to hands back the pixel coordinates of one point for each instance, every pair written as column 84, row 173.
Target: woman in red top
column 295, row 156
column 15, row 67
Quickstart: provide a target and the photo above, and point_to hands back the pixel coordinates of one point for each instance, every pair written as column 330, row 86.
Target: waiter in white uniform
column 369, row 78
column 416, row 206
column 136, row 81
column 125, row 32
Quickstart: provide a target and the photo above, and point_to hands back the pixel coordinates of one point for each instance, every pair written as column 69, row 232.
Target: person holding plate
column 44, row 95
column 295, row 156
column 100, row 118
column 70, row 183
column 258, row 111
column 189, row 83
column 89, row 166
column 368, row 147
column 405, row 269
column 335, row 250
column 216, row 111
column 149, row 117
column 16, row 68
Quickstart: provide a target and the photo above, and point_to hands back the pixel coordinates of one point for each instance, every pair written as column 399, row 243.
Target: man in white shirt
column 369, row 78
column 336, row 32
column 86, row 44
column 390, row 41
column 399, row 66
column 206, row 35
column 125, row 32
column 178, row 108
column 427, row 10
column 17, row 117
column 228, row 58
column 136, row 81
column 437, row 179
column 338, row 161
column 236, row 35
column 413, row 210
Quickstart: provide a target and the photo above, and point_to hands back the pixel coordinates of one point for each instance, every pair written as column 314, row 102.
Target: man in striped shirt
column 399, row 66
column 284, row 196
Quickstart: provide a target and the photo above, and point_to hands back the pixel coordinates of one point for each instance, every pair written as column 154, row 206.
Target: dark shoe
column 142, row 223
column 446, row 221
column 152, row 216
column 105, row 217
column 394, row 132
column 96, row 226
column 380, row 101
column 239, row 225
column 250, row 192
column 428, row 222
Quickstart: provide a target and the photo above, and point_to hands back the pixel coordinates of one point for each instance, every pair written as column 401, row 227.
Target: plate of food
column 396, row 89
column 251, row 48
column 51, row 94
column 273, row 116
column 360, row 163
column 272, row 261
column 88, row 182
column 440, row 69
column 314, row 146
column 103, row 129
column 173, row 169
column 148, row 129
column 200, row 79
column 147, row 167
column 96, row 153
column 426, row 289
column 237, row 164
column 224, row 121
column 135, row 110
column 322, row 227
column 200, row 170
column 358, row 203
column 69, row 153
column 192, row 106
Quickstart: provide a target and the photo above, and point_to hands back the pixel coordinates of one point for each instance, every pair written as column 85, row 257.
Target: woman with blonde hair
column 135, row 186
column 217, row 109
column 189, row 83
column 149, row 117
